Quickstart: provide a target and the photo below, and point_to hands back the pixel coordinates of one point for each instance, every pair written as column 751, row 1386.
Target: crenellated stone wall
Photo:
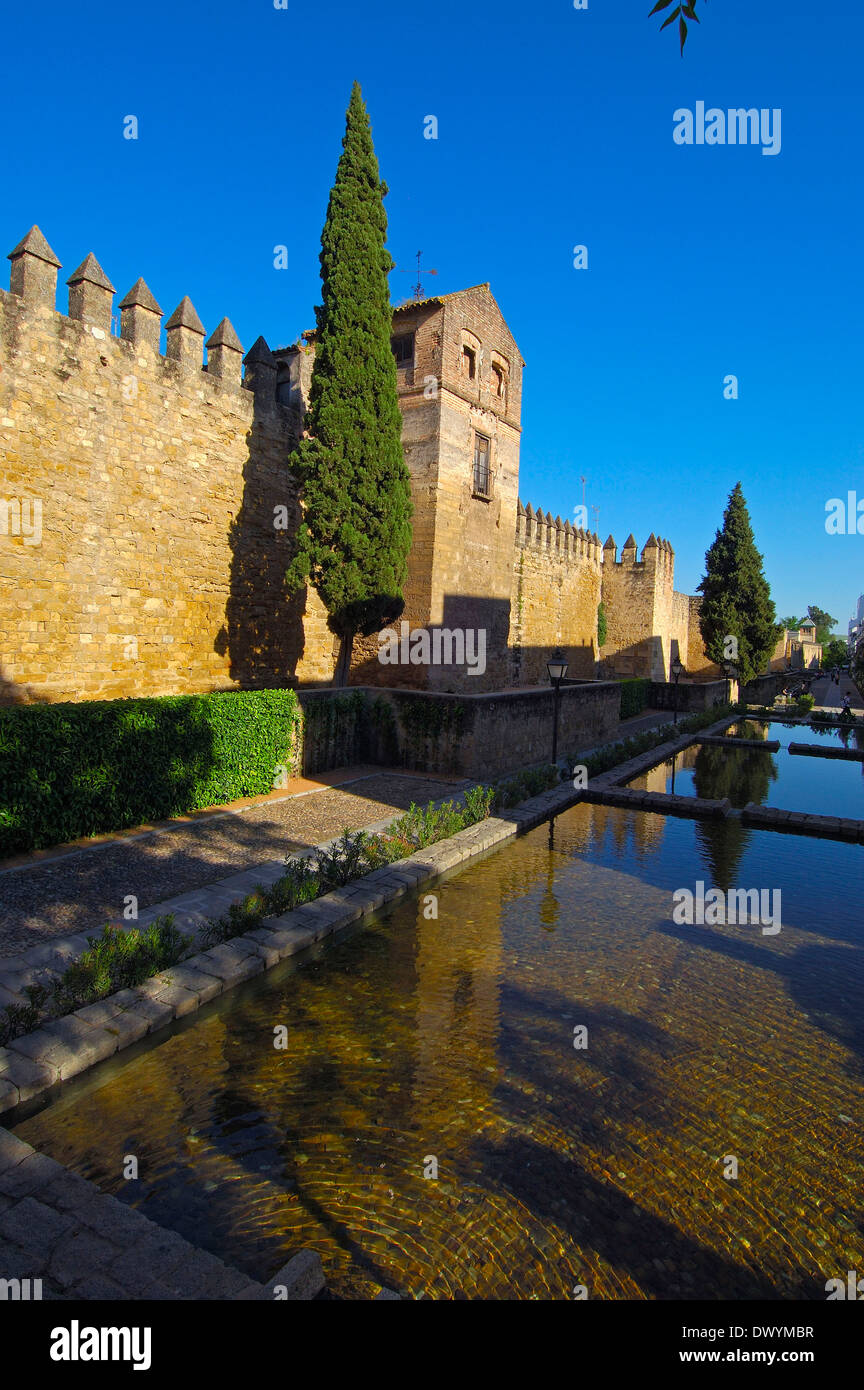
column 155, row 481
column 160, row 489
column 557, row 573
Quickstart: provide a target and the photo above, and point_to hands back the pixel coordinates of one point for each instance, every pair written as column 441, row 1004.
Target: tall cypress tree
column 736, row 598
column 355, row 536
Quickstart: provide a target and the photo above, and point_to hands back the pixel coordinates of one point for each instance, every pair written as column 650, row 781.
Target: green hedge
column 634, row 697
column 72, row 770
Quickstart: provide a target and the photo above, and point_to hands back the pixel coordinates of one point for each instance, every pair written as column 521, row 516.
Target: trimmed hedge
column 634, row 697
column 71, row 770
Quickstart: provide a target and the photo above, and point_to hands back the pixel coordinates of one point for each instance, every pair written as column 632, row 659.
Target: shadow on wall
column 473, row 653
column 644, row 658
column 12, row 693
column 263, row 635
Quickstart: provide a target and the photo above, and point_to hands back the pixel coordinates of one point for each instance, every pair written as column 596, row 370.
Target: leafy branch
column 682, row 13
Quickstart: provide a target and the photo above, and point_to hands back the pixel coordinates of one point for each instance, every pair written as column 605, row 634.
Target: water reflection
column 821, row 786
column 450, row 1038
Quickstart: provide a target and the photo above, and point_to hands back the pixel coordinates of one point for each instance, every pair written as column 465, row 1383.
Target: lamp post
column 557, row 668
column 676, row 669
column 731, row 674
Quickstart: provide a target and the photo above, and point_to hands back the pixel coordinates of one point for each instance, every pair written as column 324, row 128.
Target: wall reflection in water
column 451, row 1039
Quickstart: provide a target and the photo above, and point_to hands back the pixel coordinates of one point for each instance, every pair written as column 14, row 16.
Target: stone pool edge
column 64, row 1048
column 60, row 1226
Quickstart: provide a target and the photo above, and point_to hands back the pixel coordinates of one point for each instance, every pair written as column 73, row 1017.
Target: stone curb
column 818, row 750
column 764, row 745
column 58, row 1227
column 59, row 1050
column 801, row 823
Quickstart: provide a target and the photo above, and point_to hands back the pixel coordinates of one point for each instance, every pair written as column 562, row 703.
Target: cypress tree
column 355, row 536
column 736, row 598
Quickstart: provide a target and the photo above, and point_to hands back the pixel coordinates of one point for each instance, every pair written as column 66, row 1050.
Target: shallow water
column 453, row 1040
column 790, row 781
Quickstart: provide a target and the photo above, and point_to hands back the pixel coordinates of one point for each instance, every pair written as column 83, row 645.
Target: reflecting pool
column 430, row 1125
column 820, row 786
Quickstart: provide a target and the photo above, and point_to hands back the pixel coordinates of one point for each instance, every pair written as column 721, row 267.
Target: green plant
column 635, row 695
column 344, row 860
column 355, row 536
column 736, row 598
column 806, row 703
column 118, row 959
column 71, row 770
column 525, row 784
column 602, row 626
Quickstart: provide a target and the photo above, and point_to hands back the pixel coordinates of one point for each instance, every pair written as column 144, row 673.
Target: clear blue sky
column 555, row 129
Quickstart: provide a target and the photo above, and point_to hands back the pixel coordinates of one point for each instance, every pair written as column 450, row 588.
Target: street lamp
column 676, row 669
column 731, row 674
column 557, row 668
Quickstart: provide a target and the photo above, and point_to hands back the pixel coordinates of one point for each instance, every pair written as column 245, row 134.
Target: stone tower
column 459, row 377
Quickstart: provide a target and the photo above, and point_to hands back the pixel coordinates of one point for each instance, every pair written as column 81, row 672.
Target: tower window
column 403, row 349
column 498, row 379
column 469, row 363
column 482, row 447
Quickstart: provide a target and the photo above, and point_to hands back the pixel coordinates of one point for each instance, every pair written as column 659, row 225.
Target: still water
column 446, row 1044
column 790, row 781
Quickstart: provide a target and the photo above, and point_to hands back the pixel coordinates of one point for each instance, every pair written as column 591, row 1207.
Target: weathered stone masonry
column 165, row 507
column 159, row 569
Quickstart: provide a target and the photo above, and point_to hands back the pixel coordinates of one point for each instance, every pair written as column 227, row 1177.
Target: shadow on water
column 603, row 1218
column 824, row 981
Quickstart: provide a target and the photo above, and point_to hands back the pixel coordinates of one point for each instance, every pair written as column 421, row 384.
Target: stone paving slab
column 56, row 1226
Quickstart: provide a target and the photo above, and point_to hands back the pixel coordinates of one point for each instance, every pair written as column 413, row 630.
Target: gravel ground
column 82, row 891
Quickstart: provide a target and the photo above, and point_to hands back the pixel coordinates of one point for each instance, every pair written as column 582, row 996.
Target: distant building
column 798, row 650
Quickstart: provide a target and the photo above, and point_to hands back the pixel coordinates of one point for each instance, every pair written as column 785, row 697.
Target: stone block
column 205, row 986
column 289, row 940
column 155, row 1012
column 297, row 1281
column 34, row 1226
column 79, row 1254
column 31, row 1177
column 85, row 1044
column 12, row 1150
column 29, row 1077
column 231, row 967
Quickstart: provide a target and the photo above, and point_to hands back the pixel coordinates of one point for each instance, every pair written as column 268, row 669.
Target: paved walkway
column 75, row 889
column 830, row 696
column 78, row 891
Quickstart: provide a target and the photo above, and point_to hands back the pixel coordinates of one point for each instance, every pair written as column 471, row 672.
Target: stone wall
column 479, row 736
column 166, row 508
column 555, row 597
column 158, row 568
column 692, row 696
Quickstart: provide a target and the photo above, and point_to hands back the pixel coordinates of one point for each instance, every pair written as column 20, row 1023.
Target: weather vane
column 418, row 288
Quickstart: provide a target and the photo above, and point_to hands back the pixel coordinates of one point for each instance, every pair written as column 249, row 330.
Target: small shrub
column 118, row 959
column 346, row 859
column 525, row 784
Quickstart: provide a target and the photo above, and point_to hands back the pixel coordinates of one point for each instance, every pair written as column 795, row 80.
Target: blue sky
column 554, row 129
